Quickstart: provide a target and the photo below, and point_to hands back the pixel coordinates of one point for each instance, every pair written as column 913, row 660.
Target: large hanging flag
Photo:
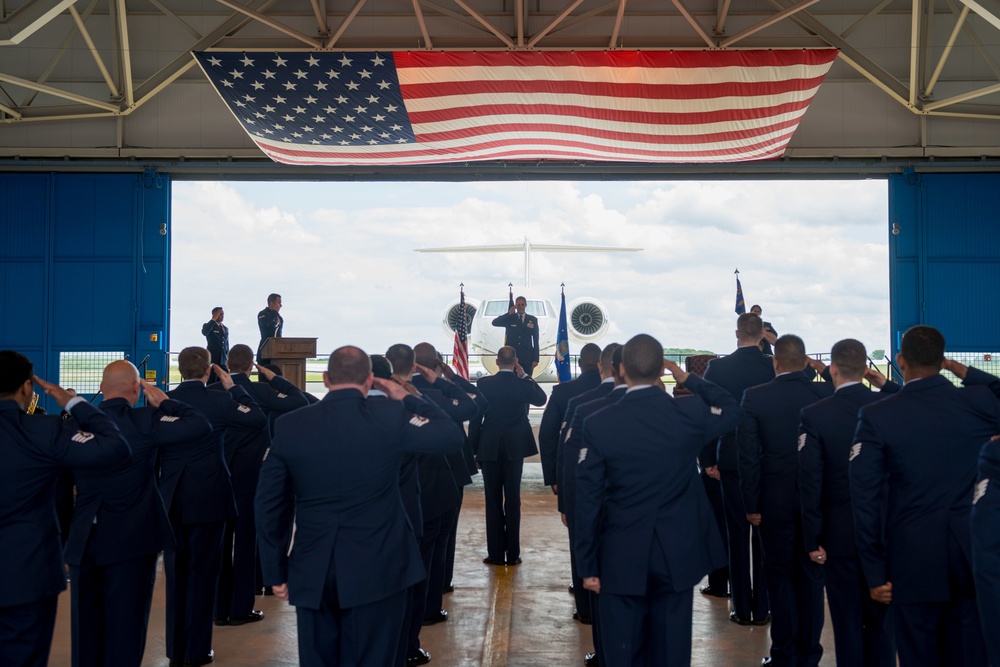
column 382, row 108
column 460, row 353
column 562, row 344
column 741, row 307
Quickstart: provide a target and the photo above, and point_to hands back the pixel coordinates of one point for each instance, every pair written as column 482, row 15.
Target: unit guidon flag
column 327, row 108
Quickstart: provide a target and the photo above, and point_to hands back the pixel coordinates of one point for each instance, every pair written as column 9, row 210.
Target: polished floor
column 519, row 616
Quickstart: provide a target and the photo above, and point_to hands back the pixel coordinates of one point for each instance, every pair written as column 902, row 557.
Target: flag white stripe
column 572, row 122
column 618, row 104
column 684, row 76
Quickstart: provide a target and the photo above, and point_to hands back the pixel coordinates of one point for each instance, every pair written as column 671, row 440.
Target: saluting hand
column 959, row 369
column 446, row 371
column 680, row 375
column 426, row 373
column 392, row 389
column 154, row 395
column 224, row 378
column 60, row 395
column 875, row 377
column 266, row 372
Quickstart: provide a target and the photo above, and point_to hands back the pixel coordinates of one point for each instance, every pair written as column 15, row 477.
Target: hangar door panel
column 87, row 281
column 945, row 261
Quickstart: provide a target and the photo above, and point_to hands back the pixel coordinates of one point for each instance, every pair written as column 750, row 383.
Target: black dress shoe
column 221, row 622
column 765, row 662
column 493, row 561
column 268, row 590
column 762, row 621
column 449, row 589
column 195, row 662
column 421, row 657
column 252, row 617
column 582, row 619
column 736, row 619
column 516, row 561
column 572, row 590
column 590, row 660
column 714, row 592
column 439, row 617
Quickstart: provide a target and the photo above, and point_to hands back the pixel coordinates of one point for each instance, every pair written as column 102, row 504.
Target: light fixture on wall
column 163, row 229
column 895, row 229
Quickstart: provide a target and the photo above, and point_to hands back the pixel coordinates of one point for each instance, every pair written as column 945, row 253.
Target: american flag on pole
column 381, row 108
column 461, row 349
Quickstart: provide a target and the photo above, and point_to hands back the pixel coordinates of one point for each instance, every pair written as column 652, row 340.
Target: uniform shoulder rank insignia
column 266, row 452
column 583, row 456
column 82, row 437
column 473, row 396
column 168, row 418
column 280, row 395
column 454, row 401
column 418, row 421
column 716, row 410
column 802, row 441
column 243, row 408
column 980, row 490
column 569, row 432
column 855, row 451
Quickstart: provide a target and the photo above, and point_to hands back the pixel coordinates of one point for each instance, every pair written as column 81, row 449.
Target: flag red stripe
column 649, row 117
column 547, row 87
column 732, row 136
column 624, row 59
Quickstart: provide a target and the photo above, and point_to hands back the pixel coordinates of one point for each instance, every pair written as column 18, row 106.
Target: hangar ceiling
column 102, row 84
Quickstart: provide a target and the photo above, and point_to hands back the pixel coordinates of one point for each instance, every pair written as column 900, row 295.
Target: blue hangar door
column 944, row 261
column 84, row 273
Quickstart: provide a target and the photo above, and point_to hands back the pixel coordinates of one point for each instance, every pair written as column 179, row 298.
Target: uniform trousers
column 110, row 607
column 192, row 569
column 718, row 580
column 449, row 566
column 365, row 635
column 26, row 632
column 651, row 630
column 795, row 589
column 433, row 536
column 862, row 628
column 237, row 586
column 502, row 490
column 746, row 560
column 438, row 565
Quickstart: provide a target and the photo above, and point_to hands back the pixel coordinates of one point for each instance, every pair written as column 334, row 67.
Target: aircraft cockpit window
column 538, row 309
column 495, row 308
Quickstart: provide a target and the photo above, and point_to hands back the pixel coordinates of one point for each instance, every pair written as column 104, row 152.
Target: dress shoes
column 493, row 561
column 449, row 588
column 765, row 662
column 421, row 657
column 268, row 590
column 516, row 561
column 439, row 617
column 194, row 662
column 220, row 622
column 572, row 589
column 582, row 619
column 714, row 592
column 590, row 660
column 736, row 619
column 252, row 617
column 762, row 621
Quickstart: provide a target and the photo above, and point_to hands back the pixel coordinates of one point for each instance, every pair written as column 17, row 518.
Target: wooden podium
column 290, row 354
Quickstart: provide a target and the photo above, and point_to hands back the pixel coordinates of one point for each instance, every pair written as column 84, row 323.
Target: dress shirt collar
column 638, row 387
column 607, row 380
column 846, row 385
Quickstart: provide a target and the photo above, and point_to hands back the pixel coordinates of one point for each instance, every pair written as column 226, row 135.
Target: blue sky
column 814, row 254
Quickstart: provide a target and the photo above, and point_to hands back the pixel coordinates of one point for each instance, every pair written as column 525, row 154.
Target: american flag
column 461, row 350
column 402, row 108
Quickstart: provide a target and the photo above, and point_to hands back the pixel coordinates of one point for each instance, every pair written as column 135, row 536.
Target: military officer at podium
column 269, row 322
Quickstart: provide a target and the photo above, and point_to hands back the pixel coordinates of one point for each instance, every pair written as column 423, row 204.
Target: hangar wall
column 944, row 263
column 84, row 273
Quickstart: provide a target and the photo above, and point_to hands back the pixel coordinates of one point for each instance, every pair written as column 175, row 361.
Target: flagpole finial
column 461, row 285
column 562, row 287
column 737, row 271
column 510, row 286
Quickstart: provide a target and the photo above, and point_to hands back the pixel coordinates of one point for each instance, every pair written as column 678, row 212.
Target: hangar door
column 84, row 273
column 944, row 261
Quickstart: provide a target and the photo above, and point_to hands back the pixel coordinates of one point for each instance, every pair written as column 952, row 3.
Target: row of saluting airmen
column 875, row 493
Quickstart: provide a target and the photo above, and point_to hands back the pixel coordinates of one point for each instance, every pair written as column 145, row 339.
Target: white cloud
column 814, row 254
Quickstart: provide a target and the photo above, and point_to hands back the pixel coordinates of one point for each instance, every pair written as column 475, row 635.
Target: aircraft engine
column 452, row 313
column 588, row 320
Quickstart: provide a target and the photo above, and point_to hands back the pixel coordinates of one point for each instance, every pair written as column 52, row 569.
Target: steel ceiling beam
column 428, row 44
column 57, row 56
column 36, row 15
column 566, row 11
column 65, row 94
column 486, row 23
column 348, row 19
column 875, row 11
column 693, row 22
column 989, row 10
column 80, row 26
column 767, row 23
column 166, row 12
column 271, row 23
column 619, row 16
column 959, row 22
column 721, row 13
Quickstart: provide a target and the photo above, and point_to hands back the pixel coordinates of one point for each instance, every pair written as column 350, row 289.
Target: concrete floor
column 520, row 616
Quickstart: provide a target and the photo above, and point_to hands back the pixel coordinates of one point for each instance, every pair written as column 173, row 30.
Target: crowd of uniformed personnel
column 348, row 507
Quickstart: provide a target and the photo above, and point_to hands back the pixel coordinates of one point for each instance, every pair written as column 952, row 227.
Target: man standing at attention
column 333, row 469
column 217, row 338
column 522, row 334
column 637, row 491
column 35, row 448
column 745, row 367
column 919, row 449
column 269, row 322
column 502, row 439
